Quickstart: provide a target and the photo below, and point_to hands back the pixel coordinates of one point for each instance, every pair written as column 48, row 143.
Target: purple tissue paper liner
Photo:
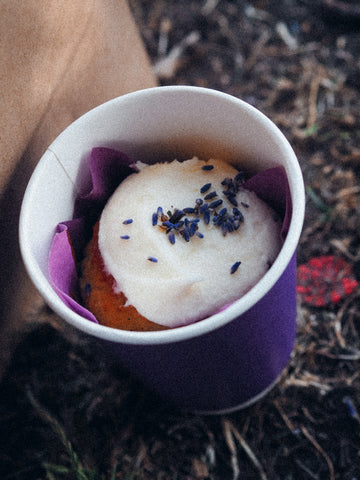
column 108, row 167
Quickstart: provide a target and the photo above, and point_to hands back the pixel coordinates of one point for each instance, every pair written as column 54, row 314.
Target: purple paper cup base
column 234, row 357
column 228, row 368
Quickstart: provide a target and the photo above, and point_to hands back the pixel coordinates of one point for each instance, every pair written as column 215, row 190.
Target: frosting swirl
column 183, row 239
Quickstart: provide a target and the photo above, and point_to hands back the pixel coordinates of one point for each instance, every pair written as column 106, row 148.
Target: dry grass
column 67, row 415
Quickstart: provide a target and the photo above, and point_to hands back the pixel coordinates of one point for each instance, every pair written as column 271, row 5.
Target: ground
column 66, row 415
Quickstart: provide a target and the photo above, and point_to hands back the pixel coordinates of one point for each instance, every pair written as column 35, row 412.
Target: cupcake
column 176, row 243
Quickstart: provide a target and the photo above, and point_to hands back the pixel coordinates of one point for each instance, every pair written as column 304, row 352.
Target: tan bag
column 58, row 60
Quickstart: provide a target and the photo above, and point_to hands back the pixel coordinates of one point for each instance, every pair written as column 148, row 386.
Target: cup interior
column 154, row 125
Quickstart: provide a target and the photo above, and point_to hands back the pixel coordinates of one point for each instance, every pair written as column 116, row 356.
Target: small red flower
column 324, row 280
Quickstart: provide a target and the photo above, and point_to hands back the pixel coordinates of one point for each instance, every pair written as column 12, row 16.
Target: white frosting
column 190, row 279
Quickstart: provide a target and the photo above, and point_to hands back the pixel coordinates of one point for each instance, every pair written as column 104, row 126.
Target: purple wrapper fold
column 108, row 167
column 62, row 265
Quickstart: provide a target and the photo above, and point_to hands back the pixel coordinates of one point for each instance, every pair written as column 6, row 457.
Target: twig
column 307, row 470
column 314, row 89
column 231, row 444
column 343, row 8
column 285, row 36
column 166, row 66
column 347, row 357
column 209, row 6
column 286, row 419
column 342, row 248
column 337, row 328
column 320, row 450
column 165, row 28
column 346, row 192
column 308, row 380
column 257, row 14
column 338, row 320
column 231, row 430
column 256, row 50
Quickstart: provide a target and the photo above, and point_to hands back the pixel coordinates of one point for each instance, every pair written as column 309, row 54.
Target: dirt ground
column 65, row 415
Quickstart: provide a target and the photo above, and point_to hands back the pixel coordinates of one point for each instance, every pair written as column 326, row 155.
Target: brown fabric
column 58, row 60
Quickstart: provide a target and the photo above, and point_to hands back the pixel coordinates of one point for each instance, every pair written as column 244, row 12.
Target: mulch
column 67, row 414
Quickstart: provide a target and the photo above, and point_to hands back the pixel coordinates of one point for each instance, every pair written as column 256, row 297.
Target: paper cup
column 234, row 357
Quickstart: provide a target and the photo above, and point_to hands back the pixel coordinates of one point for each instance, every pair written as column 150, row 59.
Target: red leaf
column 324, row 280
